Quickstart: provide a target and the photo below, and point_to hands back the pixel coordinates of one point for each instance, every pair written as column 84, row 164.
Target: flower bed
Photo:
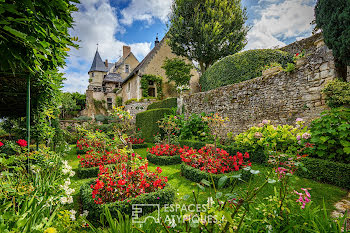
column 120, row 188
column 198, row 164
column 139, row 146
column 165, row 154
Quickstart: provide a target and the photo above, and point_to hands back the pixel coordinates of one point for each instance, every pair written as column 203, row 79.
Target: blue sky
column 114, row 23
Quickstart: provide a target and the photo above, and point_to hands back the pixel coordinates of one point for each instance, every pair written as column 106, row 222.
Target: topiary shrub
column 163, row 160
column 330, row 135
column 147, row 122
column 241, row 66
column 167, row 103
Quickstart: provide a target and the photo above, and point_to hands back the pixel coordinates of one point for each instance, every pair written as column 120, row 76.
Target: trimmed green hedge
column 241, row 66
column 88, row 172
column 255, row 156
column 326, row 171
column 196, row 175
column 139, row 146
column 147, row 122
column 163, row 160
column 161, row 197
column 167, row 103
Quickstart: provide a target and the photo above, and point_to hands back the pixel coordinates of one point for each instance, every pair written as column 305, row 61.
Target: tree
column 334, row 20
column 207, row 30
column 80, row 100
column 69, row 104
column 178, row 71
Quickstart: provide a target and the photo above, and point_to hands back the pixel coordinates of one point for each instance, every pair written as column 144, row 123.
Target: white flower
column 63, row 200
column 72, row 214
column 85, row 213
column 70, row 200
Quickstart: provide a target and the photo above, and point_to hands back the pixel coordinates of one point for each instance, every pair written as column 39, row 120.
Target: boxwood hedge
column 88, row 172
column 167, row 103
column 241, row 66
column 163, row 160
column 139, row 146
column 147, row 122
column 161, row 197
column 196, row 175
column 326, row 171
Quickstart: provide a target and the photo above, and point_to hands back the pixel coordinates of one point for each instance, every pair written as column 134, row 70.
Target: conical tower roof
column 98, row 64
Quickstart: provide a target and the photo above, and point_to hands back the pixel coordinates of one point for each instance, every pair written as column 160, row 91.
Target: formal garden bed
column 166, row 154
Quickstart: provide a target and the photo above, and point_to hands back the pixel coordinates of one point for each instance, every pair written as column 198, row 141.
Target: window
column 150, row 83
column 92, row 74
column 129, row 87
column 152, row 92
column 127, row 67
column 109, row 103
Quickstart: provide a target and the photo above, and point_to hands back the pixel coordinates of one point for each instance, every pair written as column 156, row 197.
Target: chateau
column 121, row 80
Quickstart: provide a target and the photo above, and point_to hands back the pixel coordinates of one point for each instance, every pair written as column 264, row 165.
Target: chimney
column 156, row 42
column 126, row 51
column 106, row 63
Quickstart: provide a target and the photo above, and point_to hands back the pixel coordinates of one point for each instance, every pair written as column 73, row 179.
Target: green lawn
column 329, row 193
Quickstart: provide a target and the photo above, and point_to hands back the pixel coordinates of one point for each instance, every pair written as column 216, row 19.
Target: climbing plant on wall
column 146, row 78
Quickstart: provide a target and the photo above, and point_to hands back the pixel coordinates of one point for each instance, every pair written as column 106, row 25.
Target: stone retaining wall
column 280, row 97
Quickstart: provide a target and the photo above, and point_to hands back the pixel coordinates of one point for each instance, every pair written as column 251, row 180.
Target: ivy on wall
column 146, row 78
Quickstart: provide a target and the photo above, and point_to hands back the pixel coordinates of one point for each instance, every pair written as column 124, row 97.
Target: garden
column 167, row 170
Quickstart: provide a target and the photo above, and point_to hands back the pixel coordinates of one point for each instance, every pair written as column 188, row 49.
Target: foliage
column 164, row 160
column 241, row 66
column 215, row 124
column 334, row 20
column 169, row 125
column 271, row 65
column 290, row 67
column 147, row 122
column 194, row 128
column 326, row 171
column 331, row 134
column 135, row 141
column 282, row 138
column 68, row 105
column 80, row 99
column 337, row 93
column 146, row 78
column 178, row 71
column 118, row 101
column 130, row 101
column 167, row 103
column 205, row 31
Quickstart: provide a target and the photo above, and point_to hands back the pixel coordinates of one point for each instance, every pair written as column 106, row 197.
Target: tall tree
column 178, row 71
column 333, row 17
column 207, row 30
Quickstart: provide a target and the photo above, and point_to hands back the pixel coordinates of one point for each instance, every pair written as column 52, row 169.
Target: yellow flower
column 50, row 230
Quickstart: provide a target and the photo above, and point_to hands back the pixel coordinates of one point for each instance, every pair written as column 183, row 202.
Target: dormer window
column 92, row 74
column 127, row 67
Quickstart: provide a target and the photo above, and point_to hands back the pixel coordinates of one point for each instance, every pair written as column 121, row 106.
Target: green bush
column 147, row 122
column 330, row 135
column 196, row 175
column 167, row 103
column 326, row 171
column 161, row 197
column 241, row 66
column 193, row 144
column 163, row 160
column 88, row 172
column 194, row 128
column 139, row 146
column 337, row 93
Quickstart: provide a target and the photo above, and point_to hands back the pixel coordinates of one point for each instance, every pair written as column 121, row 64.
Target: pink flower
column 299, row 119
column 265, row 122
column 298, row 137
column 306, row 135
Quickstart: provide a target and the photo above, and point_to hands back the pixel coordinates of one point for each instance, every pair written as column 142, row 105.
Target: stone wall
column 138, row 106
column 280, row 97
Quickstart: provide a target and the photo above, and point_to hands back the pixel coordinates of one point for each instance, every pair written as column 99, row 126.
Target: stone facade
column 280, row 97
column 152, row 64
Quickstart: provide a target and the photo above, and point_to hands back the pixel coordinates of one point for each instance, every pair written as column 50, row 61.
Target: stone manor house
column 109, row 81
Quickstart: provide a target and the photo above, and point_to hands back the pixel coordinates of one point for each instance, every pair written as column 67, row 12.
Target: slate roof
column 99, row 65
column 145, row 60
column 113, row 78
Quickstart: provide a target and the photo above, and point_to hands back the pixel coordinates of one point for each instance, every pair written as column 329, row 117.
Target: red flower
column 121, row 182
column 1, row 144
column 22, row 143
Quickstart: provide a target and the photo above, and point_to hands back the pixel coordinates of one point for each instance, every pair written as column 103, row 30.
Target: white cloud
column 146, row 11
column 281, row 21
column 96, row 22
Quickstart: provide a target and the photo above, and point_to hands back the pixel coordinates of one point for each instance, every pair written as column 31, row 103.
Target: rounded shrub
column 241, row 66
column 163, row 160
